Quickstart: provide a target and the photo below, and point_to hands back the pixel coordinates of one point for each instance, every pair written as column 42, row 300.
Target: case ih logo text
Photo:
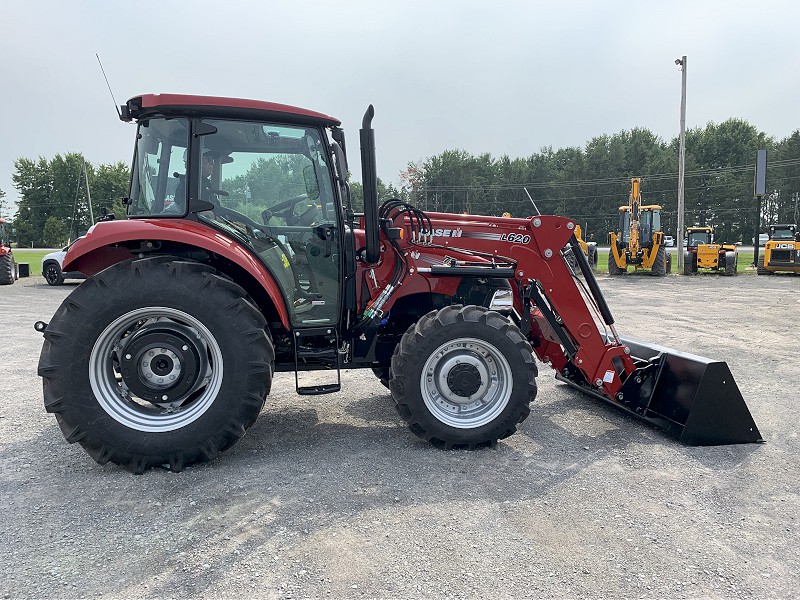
column 447, row 233
column 515, row 238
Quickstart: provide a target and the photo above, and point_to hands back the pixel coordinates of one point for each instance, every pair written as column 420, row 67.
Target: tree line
column 54, row 199
column 589, row 184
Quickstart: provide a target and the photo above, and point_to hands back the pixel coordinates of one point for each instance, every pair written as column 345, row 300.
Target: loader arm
column 692, row 398
column 558, row 317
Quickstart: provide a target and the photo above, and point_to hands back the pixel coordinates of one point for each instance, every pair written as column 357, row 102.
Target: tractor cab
column 649, row 222
column 698, row 236
column 267, row 185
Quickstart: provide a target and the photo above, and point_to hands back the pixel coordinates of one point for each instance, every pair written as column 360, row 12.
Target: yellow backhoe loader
column 640, row 241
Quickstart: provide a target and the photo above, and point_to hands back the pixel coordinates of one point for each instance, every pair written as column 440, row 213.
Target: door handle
column 325, row 232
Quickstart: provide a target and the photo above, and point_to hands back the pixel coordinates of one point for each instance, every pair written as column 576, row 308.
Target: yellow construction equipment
column 781, row 252
column 702, row 253
column 589, row 250
column 640, row 241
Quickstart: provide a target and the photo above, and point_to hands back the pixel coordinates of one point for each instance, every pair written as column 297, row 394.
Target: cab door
column 272, row 184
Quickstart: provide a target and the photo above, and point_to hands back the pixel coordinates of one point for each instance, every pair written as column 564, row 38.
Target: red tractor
column 8, row 269
column 242, row 256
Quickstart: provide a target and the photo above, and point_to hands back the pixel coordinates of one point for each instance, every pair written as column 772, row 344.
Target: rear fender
column 104, row 246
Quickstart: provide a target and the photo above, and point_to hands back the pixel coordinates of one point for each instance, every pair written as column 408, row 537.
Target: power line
column 609, row 180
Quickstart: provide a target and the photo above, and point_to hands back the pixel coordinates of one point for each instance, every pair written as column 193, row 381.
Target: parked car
column 763, row 238
column 51, row 267
column 669, row 241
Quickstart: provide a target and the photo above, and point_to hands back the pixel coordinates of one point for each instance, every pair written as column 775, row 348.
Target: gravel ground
column 332, row 497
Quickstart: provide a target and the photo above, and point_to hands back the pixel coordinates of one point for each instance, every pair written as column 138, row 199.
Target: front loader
column 249, row 259
column 639, row 242
column 781, row 252
column 703, row 253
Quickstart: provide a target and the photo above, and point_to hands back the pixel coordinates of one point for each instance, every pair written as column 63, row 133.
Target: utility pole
column 681, row 62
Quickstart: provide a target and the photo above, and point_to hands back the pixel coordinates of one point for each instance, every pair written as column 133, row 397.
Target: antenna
column 536, row 208
column 116, row 106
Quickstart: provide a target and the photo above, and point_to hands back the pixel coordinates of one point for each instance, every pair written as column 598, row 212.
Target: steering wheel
column 283, row 209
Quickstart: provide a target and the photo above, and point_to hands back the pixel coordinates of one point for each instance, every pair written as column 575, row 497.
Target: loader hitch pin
column 40, row 326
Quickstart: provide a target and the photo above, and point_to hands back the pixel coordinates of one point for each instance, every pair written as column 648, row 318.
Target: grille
column 783, row 256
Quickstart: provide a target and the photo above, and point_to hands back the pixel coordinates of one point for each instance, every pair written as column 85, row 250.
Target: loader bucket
column 691, row 397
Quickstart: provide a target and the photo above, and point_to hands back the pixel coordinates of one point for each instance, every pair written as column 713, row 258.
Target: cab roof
column 148, row 105
column 644, row 207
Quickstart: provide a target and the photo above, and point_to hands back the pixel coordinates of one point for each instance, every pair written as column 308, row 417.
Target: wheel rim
column 51, row 274
column 155, row 369
column 466, row 383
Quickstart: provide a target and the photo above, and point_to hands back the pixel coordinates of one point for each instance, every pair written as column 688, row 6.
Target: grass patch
column 32, row 257
column 743, row 264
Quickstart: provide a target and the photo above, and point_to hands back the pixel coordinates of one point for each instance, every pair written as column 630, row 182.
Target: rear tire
column 384, row 374
column 688, row 263
column 569, row 258
column 7, row 269
column 463, row 376
column 142, row 378
column 592, row 257
column 52, row 274
column 613, row 269
column 730, row 264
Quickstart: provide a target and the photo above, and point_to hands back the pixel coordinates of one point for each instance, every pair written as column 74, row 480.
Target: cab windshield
column 699, row 237
column 782, row 234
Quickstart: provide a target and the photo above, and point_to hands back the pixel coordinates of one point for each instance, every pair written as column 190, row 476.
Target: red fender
column 100, row 249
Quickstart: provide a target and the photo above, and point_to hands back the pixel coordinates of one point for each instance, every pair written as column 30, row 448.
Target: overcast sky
column 483, row 76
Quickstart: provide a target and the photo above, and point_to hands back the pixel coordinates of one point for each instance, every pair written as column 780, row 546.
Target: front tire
column 463, row 376
column 156, row 362
column 613, row 268
column 659, row 268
